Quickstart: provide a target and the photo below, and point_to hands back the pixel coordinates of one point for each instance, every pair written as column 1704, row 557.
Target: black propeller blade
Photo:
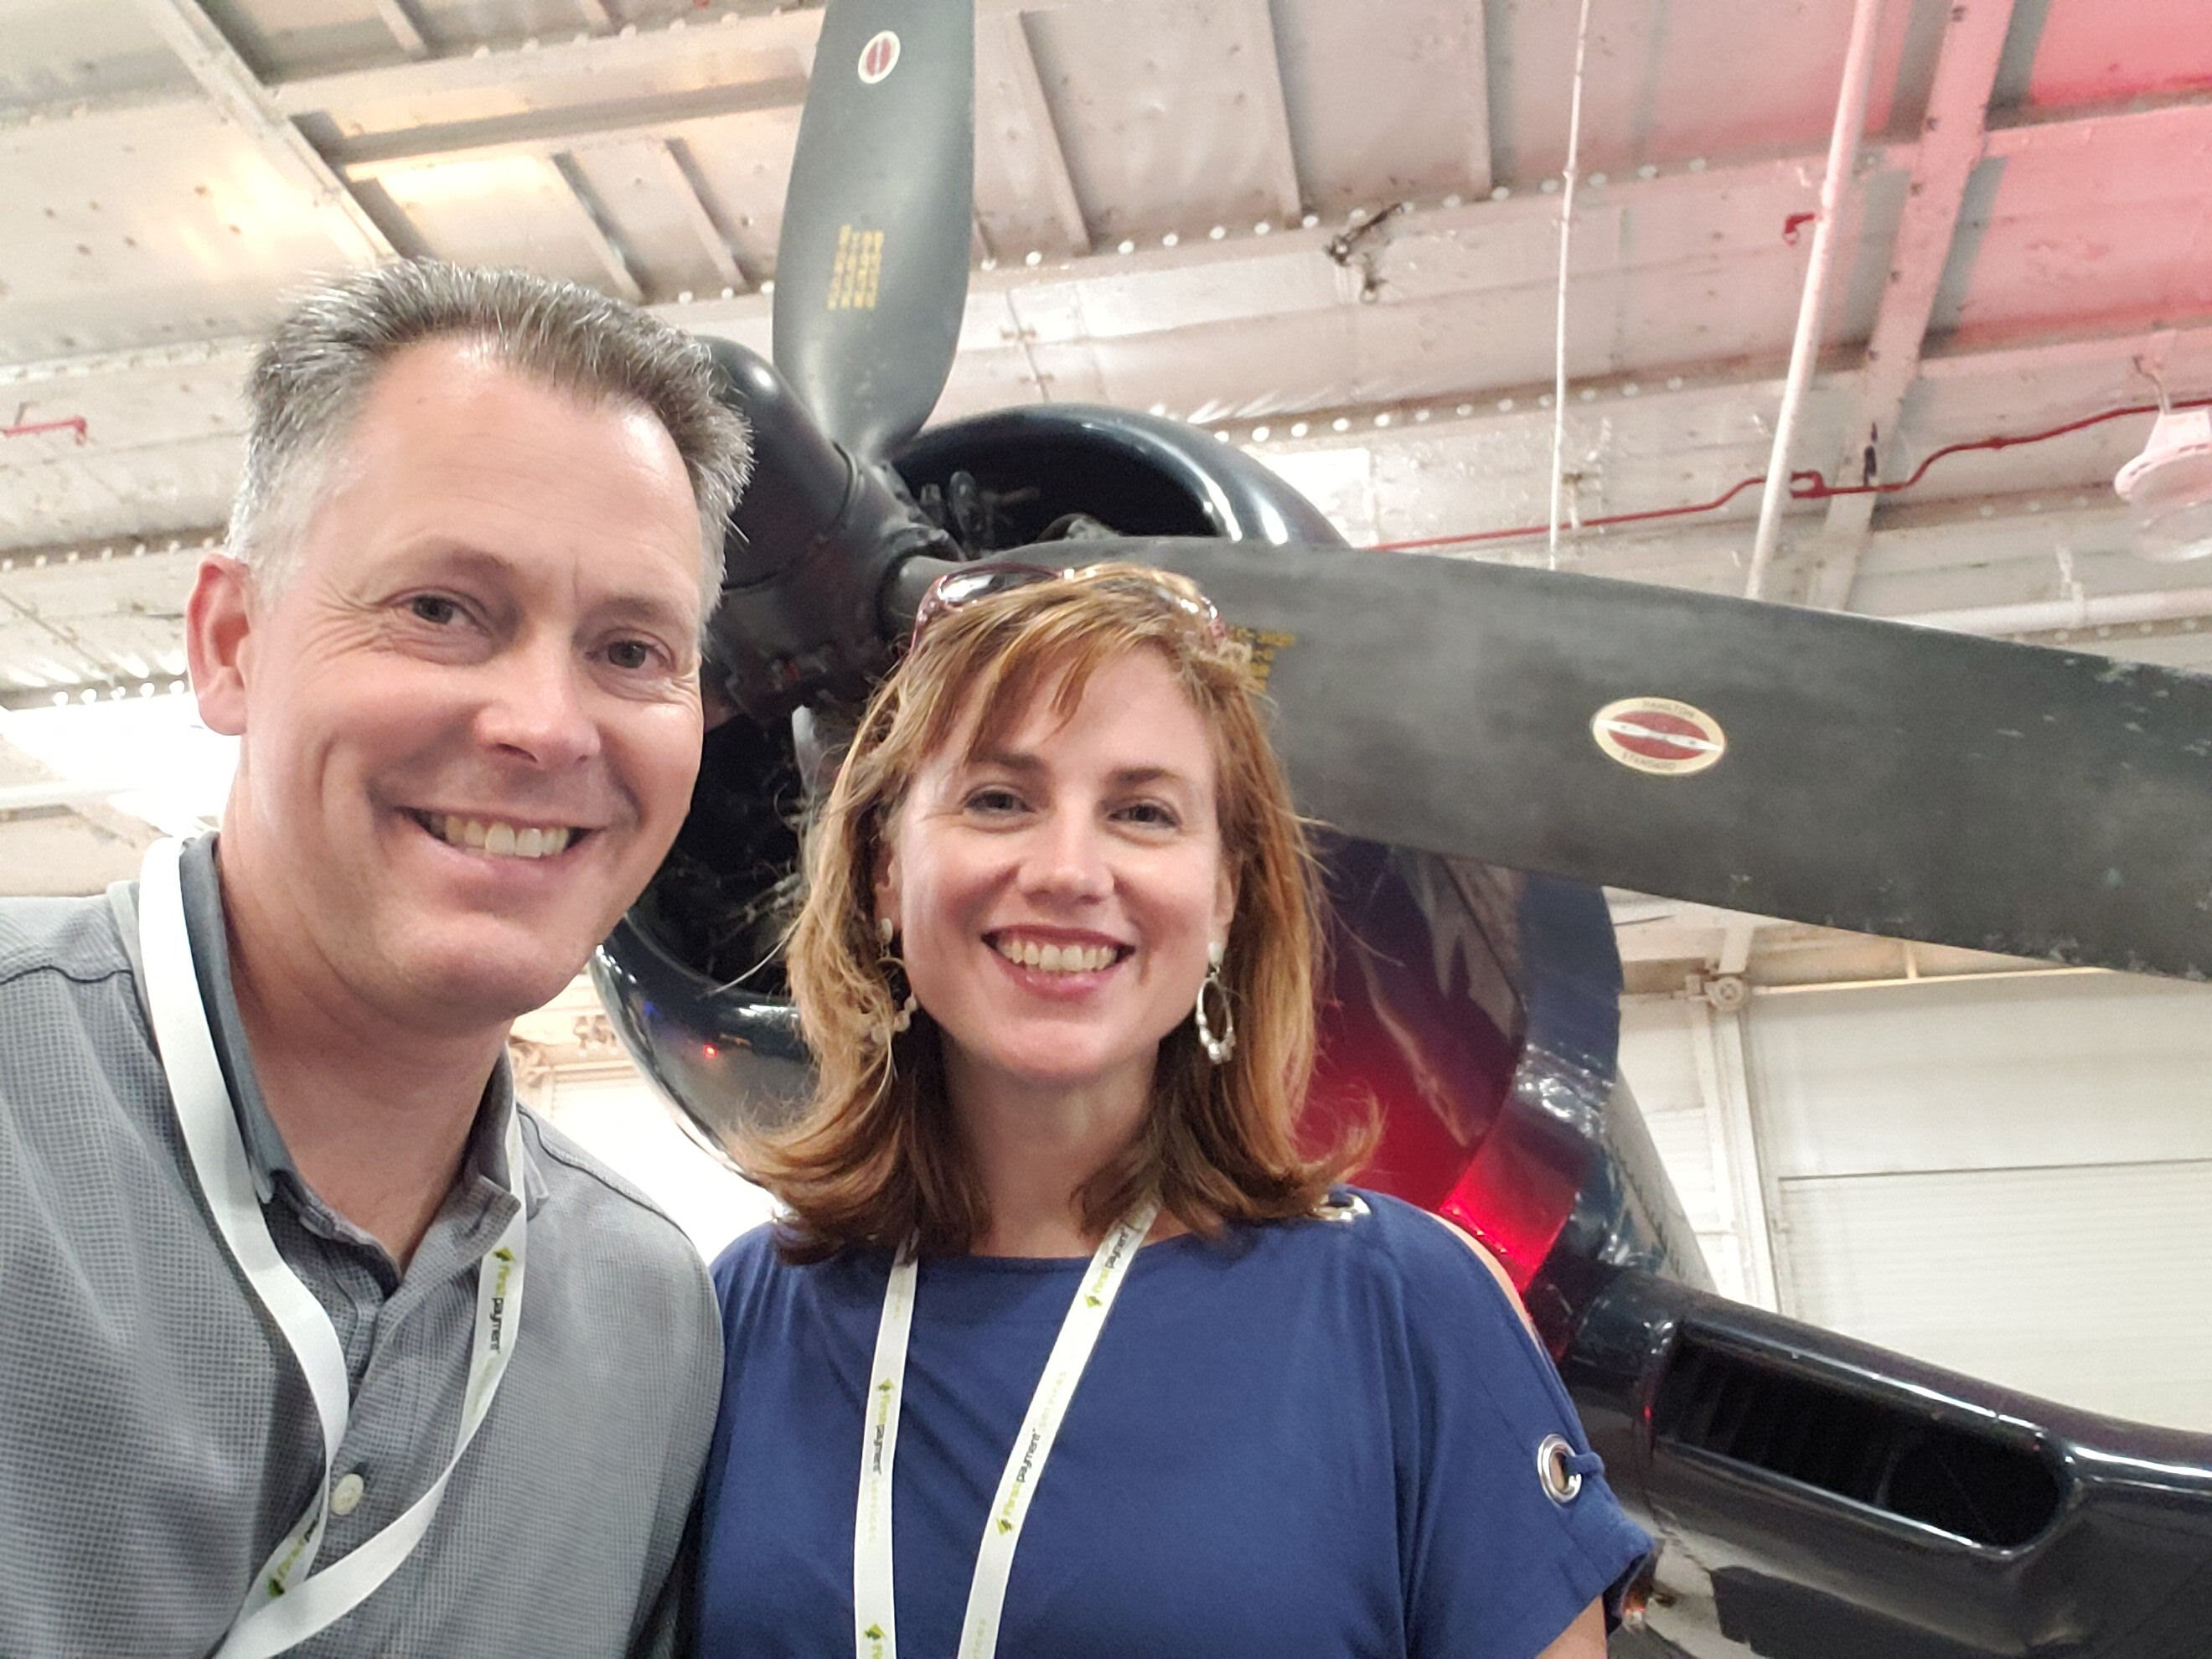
column 1854, row 774
column 871, row 270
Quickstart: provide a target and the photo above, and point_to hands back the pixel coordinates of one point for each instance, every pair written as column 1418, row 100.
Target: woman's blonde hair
column 877, row 1159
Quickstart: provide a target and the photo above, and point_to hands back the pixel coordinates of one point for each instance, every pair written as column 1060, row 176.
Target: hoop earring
column 895, row 977
column 1218, row 1048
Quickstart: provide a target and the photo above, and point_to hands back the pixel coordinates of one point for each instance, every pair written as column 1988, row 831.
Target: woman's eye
column 1151, row 813
column 436, row 609
column 994, row 801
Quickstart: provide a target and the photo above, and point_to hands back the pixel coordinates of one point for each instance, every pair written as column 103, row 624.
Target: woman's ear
column 887, row 882
column 1225, row 900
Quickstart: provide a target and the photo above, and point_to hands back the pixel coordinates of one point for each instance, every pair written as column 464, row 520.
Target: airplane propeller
column 1820, row 767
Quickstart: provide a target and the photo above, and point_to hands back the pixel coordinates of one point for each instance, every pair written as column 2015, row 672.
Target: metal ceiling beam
column 582, row 69
column 1255, row 21
column 147, row 105
column 1910, row 549
column 591, row 85
column 226, row 78
column 399, row 16
column 1952, row 145
column 103, row 667
column 2185, row 337
column 229, row 350
column 598, row 233
column 584, row 65
column 1480, row 169
column 547, row 132
column 56, row 793
column 778, row 39
column 1005, row 41
column 1194, row 249
column 111, row 375
column 2175, row 116
column 690, row 190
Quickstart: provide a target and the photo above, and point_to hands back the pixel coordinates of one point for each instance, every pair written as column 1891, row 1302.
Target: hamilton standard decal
column 1659, row 736
column 856, row 275
column 1264, row 645
column 879, row 57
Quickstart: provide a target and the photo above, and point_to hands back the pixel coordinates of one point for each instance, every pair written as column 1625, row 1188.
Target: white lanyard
column 284, row 1605
column 874, row 1630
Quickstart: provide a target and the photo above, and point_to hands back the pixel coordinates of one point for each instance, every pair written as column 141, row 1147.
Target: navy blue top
column 1314, row 1437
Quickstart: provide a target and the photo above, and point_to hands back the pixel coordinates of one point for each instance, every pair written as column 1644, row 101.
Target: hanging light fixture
column 2168, row 488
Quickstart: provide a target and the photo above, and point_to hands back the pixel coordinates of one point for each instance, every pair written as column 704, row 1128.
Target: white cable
column 1559, row 326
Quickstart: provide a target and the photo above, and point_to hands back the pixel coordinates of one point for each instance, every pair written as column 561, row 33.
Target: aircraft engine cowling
column 692, row 977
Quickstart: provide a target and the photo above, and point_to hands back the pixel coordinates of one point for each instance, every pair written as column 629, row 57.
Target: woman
column 1048, row 1213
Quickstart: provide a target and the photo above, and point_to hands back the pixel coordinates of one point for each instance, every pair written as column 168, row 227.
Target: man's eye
column 434, row 609
column 630, row 654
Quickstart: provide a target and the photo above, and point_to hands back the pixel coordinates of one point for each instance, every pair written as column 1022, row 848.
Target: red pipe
column 1807, row 486
column 67, row 424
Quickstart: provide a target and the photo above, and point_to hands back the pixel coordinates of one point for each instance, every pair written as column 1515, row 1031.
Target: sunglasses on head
column 958, row 587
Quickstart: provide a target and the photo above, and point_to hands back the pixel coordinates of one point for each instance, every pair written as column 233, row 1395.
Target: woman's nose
column 1068, row 858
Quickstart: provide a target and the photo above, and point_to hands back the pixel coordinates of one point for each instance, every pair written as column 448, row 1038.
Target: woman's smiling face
column 1055, row 896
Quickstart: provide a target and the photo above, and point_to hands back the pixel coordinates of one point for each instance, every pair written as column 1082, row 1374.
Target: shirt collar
column 270, row 1160
column 486, row 1158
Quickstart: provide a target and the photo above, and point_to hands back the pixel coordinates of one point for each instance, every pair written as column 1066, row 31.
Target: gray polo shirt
column 156, row 1437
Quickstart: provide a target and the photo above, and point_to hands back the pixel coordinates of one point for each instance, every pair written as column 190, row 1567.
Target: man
column 262, row 1183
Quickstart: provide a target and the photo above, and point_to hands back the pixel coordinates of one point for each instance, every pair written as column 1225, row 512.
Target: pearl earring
column 895, row 973
column 1218, row 1048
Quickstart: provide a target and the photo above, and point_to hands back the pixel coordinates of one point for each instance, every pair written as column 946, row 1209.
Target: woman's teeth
column 1057, row 958
column 499, row 841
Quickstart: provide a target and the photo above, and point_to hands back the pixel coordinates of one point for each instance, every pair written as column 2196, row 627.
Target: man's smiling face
column 467, row 694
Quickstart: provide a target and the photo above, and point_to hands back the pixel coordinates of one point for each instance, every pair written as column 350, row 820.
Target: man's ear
column 218, row 627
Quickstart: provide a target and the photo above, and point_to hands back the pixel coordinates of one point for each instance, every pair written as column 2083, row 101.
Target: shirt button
column 345, row 1495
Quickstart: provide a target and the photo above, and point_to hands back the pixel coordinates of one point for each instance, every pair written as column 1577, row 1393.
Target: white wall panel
column 1658, row 1060
column 2058, row 1068
column 1686, row 1101
column 618, row 1117
column 2012, row 1177
column 2083, row 1284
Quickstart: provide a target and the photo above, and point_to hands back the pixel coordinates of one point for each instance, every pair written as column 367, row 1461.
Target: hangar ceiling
column 1326, row 229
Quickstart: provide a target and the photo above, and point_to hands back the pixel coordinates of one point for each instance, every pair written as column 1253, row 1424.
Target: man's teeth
column 1057, row 958
column 500, row 841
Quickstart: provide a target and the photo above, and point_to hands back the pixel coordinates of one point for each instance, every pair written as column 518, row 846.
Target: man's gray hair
column 311, row 379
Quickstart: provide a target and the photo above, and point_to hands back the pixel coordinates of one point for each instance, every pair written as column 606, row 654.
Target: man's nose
column 537, row 707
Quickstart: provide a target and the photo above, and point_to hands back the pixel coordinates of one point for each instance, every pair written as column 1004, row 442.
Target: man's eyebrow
column 439, row 554
column 649, row 610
